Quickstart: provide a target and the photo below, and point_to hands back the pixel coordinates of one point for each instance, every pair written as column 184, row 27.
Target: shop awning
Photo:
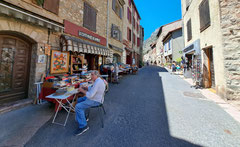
column 69, row 43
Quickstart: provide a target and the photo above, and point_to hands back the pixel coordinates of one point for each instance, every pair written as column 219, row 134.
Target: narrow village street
column 152, row 108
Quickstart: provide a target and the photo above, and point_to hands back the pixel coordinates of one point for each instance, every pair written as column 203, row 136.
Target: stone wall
column 72, row 10
column 230, row 23
column 38, row 36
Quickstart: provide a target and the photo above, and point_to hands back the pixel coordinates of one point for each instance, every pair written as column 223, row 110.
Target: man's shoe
column 80, row 131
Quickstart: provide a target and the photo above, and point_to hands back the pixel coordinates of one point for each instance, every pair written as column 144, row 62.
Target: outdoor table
column 59, row 99
column 47, row 91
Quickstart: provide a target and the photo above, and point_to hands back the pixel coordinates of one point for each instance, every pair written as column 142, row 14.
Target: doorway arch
column 15, row 59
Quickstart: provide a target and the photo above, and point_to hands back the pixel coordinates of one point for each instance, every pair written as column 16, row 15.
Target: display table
column 47, row 91
column 60, row 100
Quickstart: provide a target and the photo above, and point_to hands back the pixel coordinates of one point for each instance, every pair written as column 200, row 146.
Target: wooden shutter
column 204, row 15
column 189, row 30
column 86, row 16
column 89, row 17
column 113, row 5
column 51, row 5
column 93, row 19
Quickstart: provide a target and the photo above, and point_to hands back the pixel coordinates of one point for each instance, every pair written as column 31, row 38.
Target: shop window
column 49, row 5
column 204, row 15
column 89, row 17
column 189, row 30
column 117, row 8
column 129, row 33
column 116, row 33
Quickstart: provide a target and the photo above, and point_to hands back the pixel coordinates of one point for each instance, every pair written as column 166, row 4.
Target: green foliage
column 178, row 60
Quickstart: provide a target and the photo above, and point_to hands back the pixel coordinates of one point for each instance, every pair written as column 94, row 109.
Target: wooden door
column 211, row 68
column 14, row 68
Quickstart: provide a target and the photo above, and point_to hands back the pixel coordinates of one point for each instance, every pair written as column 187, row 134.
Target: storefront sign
column 82, row 34
column 189, row 48
column 194, row 47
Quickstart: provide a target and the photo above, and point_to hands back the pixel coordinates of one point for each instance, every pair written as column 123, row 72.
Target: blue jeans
column 82, row 104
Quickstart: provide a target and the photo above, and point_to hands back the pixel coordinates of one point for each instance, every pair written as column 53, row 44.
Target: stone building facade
column 29, row 27
column 132, row 36
column 161, row 34
column 26, row 27
column 19, row 24
column 230, row 24
column 115, row 29
column 214, row 26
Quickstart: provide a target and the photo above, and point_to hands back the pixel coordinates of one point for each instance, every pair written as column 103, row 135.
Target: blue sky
column 155, row 13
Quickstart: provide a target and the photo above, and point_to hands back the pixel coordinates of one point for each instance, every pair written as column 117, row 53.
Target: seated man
column 94, row 97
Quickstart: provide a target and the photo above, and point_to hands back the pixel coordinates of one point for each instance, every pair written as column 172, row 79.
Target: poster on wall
column 41, row 59
column 47, row 49
column 59, row 62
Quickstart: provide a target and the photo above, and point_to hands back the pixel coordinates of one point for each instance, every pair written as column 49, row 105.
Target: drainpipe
column 107, row 22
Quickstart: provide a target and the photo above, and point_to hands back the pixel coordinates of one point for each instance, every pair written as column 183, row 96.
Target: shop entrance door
column 14, row 68
column 211, row 68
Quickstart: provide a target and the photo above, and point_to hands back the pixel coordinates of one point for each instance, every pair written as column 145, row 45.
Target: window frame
column 189, row 29
column 90, row 17
column 204, row 23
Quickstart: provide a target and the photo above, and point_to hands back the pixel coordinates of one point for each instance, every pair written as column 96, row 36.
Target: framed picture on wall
column 59, row 62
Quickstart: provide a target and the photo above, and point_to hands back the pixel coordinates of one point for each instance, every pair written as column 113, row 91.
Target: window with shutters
column 189, row 30
column 116, row 33
column 138, row 42
column 204, row 15
column 134, row 39
column 117, row 8
column 133, row 22
column 129, row 34
column 51, row 5
column 89, row 17
column 129, row 16
column 129, row 3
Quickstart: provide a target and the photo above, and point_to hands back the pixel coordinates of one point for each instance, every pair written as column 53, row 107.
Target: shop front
column 117, row 53
column 129, row 55
column 193, row 63
column 92, row 55
column 88, row 46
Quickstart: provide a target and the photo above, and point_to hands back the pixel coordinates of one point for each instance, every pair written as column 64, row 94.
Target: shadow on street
column 136, row 116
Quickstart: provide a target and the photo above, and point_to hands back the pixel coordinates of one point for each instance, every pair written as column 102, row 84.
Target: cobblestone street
column 152, row 108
